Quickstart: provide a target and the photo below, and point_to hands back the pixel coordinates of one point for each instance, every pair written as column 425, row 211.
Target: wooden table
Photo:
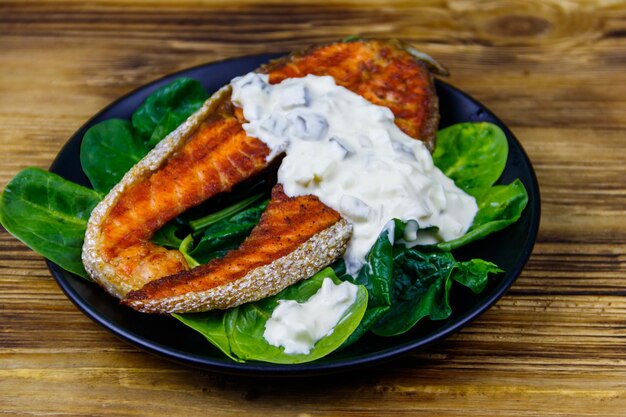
column 555, row 71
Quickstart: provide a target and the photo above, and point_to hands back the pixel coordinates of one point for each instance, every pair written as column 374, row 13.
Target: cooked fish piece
column 295, row 238
column 386, row 73
column 209, row 154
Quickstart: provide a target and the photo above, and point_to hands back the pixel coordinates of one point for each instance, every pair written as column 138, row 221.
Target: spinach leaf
column 184, row 249
column 49, row 214
column 109, row 149
column 498, row 207
column 225, row 213
column 245, row 324
column 228, row 233
column 370, row 318
column 376, row 274
column 167, row 108
column 421, row 287
column 473, row 155
column 211, row 326
column 238, row 332
column 167, row 235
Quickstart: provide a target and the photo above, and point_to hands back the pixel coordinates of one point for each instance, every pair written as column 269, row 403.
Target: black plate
column 167, row 337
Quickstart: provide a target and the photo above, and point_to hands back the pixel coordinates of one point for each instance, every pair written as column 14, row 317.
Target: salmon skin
column 209, row 154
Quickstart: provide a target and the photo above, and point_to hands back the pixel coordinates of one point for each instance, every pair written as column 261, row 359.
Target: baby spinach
column 165, row 109
column 227, row 233
column 49, row 214
column 211, row 326
column 239, row 332
column 184, row 247
column 498, row 207
column 421, row 287
column 418, row 285
column 109, row 149
column 473, row 155
column 376, row 274
column 167, row 236
column 225, row 213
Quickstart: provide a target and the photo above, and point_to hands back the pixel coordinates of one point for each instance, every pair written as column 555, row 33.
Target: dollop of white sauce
column 349, row 153
column 298, row 326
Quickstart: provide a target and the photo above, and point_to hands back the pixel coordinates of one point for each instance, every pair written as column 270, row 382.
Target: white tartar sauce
column 349, row 153
column 298, row 326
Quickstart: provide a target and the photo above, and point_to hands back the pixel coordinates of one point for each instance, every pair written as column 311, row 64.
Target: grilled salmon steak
column 209, row 154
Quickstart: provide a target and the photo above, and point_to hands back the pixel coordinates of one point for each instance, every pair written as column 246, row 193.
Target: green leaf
column 49, row 214
column 473, row 274
column 473, row 155
column 185, row 245
column 227, row 233
column 109, row 149
column 211, row 326
column 245, row 324
column 351, row 38
column 225, row 213
column 376, row 274
column 167, row 236
column 238, row 332
column 370, row 318
column 167, row 108
column 421, row 287
column 498, row 207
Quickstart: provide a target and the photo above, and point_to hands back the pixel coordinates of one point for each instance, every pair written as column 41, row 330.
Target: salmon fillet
column 209, row 154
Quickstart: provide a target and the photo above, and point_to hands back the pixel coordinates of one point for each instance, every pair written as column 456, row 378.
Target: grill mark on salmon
column 209, row 154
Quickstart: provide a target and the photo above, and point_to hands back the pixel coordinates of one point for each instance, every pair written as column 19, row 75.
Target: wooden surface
column 555, row 71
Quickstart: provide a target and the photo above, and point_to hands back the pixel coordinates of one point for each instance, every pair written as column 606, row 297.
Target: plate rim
column 227, row 365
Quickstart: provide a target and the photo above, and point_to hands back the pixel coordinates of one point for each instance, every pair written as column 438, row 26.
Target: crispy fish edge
column 307, row 259
column 94, row 263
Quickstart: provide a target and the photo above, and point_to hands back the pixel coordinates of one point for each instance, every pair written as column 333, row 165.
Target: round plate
column 169, row 338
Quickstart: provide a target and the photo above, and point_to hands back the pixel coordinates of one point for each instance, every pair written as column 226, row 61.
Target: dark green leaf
column 498, row 207
column 339, row 266
column 472, row 154
column 473, row 274
column 370, row 318
column 238, row 332
column 211, row 326
column 167, row 236
column 226, row 213
column 377, row 272
column 166, row 108
column 49, row 214
column 247, row 324
column 227, row 233
column 109, row 149
column 170, row 121
column 421, row 287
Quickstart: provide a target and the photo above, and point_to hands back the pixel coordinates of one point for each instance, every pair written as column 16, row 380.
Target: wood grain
column 555, row 345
